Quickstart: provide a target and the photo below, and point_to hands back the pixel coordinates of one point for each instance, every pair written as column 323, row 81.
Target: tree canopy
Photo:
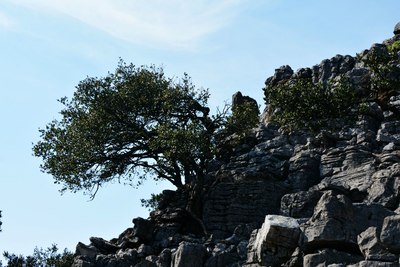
column 127, row 125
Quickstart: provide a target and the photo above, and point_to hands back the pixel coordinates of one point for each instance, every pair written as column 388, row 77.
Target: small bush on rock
column 302, row 104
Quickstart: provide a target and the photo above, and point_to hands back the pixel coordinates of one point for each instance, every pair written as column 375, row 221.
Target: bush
column 41, row 257
column 301, row 104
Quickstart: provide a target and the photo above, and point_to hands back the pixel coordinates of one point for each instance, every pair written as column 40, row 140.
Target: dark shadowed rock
column 326, row 257
column 390, row 234
column 189, row 255
column 300, row 204
column 372, row 248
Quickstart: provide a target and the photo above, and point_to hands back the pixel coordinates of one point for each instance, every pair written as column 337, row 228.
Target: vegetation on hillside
column 41, row 257
column 302, row 104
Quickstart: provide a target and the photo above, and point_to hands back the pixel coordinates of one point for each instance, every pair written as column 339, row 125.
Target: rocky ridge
column 300, row 199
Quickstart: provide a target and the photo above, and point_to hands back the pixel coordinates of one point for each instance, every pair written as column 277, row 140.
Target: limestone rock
column 372, row 248
column 189, row 255
column 275, row 242
column 330, row 257
column 397, row 28
column 390, row 234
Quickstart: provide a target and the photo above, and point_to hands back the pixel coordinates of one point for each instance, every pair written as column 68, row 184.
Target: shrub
column 301, row 104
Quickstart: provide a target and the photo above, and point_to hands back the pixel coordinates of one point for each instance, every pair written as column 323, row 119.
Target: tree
column 41, row 257
column 129, row 125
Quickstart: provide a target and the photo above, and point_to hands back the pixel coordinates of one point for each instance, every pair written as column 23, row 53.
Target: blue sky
column 48, row 46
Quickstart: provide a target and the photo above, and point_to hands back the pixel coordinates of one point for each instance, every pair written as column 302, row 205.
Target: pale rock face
column 275, row 241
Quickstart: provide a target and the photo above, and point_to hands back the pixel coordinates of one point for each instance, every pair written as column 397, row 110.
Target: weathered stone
column 300, row 204
column 331, row 222
column 145, row 263
column 164, row 260
column 189, row 255
column 143, row 229
column 86, row 251
column 275, row 242
column 397, row 28
column 304, row 170
column 327, row 257
column 372, row 248
column 80, row 262
column 374, row 264
column 103, row 246
column 238, row 99
column 242, row 249
column 390, row 234
column 229, row 204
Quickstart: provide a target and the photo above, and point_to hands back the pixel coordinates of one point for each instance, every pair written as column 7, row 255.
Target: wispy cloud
column 173, row 23
column 6, row 22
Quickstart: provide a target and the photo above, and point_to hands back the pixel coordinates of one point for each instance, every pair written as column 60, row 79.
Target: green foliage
column 126, row 126
column 153, row 203
column 41, row 257
column 244, row 117
column 394, row 47
column 301, row 104
column 384, row 68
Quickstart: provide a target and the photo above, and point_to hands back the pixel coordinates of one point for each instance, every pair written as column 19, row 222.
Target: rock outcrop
column 301, row 199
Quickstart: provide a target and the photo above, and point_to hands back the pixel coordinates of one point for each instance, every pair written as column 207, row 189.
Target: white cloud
column 174, row 23
column 5, row 21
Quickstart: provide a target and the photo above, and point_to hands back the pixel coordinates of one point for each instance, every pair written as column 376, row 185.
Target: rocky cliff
column 327, row 198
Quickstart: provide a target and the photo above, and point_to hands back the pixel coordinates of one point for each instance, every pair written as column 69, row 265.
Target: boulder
column 189, row 255
column 103, row 246
column 397, row 29
column 372, row 248
column 390, row 234
column 330, row 257
column 143, row 229
column 274, row 243
column 86, row 251
column 300, row 204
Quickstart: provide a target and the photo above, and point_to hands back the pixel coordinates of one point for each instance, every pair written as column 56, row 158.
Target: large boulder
column 390, row 235
column 189, row 255
column 274, row 243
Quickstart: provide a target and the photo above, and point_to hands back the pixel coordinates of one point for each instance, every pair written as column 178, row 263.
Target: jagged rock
column 304, row 170
column 223, row 257
column 281, row 74
column 300, row 204
column 375, row 264
column 242, row 249
column 228, row 205
column 143, row 229
column 372, row 248
column 189, row 255
column 79, row 262
column 331, row 224
column 328, row 257
column 164, row 260
column 337, row 222
column 146, row 263
column 342, row 185
column 390, row 234
column 275, row 242
column 238, row 99
column 86, row 251
column 103, row 246
column 397, row 28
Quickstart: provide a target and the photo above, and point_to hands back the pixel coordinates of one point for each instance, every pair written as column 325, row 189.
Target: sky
column 48, row 46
